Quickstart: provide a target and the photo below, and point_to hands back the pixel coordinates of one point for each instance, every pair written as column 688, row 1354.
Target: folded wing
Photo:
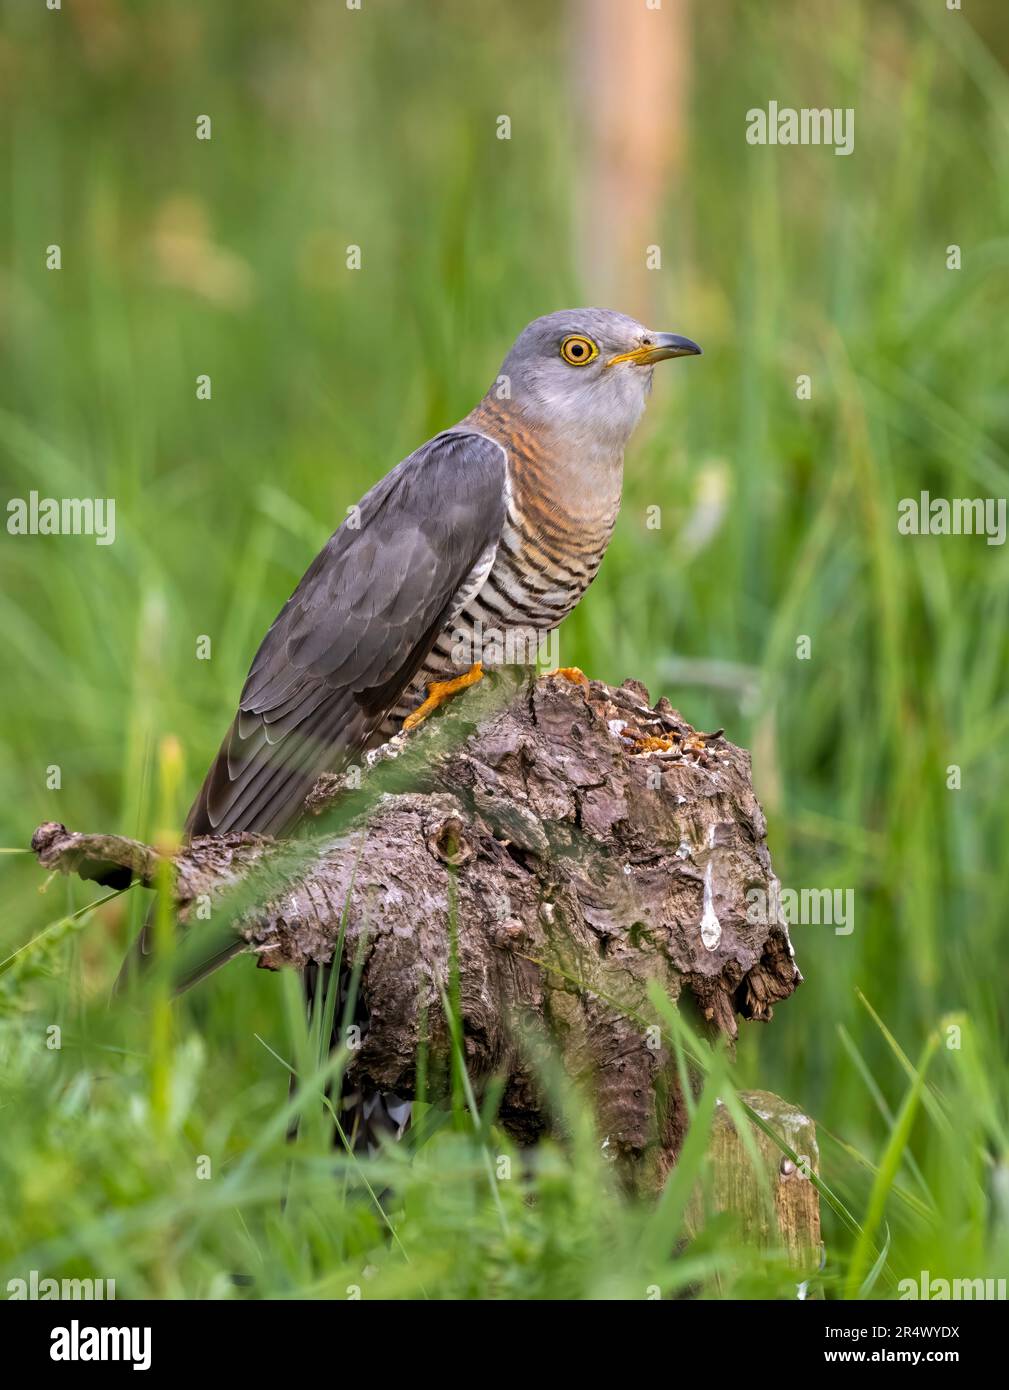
column 354, row 633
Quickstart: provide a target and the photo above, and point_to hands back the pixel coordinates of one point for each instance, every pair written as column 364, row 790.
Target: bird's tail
column 214, row 949
column 367, row 1115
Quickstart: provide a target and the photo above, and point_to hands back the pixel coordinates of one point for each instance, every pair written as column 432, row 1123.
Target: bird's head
column 587, row 372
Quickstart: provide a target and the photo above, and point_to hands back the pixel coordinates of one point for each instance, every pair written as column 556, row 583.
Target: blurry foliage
column 377, row 128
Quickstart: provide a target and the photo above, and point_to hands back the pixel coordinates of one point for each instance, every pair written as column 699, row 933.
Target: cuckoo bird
column 500, row 522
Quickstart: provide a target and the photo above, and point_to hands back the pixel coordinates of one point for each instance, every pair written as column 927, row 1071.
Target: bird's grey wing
column 355, row 631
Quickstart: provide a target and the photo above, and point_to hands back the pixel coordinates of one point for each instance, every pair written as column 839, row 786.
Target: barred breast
column 552, row 543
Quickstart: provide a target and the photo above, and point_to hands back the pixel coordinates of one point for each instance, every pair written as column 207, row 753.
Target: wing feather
column 354, row 633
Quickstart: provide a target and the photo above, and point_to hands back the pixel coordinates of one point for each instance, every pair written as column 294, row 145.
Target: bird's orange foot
column 570, row 673
column 440, row 691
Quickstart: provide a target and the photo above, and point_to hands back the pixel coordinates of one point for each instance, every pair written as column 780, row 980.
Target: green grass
column 227, row 258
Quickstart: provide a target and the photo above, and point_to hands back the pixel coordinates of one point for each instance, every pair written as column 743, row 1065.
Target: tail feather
column 215, row 950
column 367, row 1116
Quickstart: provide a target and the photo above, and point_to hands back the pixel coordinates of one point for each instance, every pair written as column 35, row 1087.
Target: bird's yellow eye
column 577, row 350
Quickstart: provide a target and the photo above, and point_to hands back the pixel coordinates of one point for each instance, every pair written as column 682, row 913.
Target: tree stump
column 573, row 841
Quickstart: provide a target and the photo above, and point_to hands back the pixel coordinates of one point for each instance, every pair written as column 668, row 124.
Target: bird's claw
column 440, row 691
column 569, row 673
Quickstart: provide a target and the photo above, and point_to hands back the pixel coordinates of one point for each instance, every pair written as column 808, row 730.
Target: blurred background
column 378, row 128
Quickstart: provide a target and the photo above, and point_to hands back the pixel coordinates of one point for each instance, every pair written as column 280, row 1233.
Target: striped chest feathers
column 558, row 522
column 561, row 510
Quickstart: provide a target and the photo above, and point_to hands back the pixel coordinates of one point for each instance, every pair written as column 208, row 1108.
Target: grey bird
column 500, row 522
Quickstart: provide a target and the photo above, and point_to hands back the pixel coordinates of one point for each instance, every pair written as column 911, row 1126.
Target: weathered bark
column 574, row 842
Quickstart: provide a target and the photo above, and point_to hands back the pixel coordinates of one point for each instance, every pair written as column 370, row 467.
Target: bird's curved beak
column 658, row 347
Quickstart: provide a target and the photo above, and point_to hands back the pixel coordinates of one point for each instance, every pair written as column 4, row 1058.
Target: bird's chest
column 557, row 526
column 547, row 556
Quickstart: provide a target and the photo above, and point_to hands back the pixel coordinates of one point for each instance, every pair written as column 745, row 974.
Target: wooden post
column 792, row 1221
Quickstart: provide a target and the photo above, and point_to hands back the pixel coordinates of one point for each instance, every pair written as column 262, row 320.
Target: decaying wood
column 576, row 842
column 775, row 1202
